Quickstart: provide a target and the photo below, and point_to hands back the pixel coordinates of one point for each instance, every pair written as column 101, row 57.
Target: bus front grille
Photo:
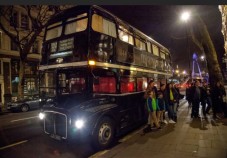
column 55, row 123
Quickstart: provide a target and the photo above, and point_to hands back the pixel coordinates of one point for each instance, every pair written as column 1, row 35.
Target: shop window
column 14, row 67
column 104, row 85
column 15, row 81
column 127, row 85
column 30, row 86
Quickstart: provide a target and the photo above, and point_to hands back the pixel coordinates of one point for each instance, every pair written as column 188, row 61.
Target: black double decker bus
column 94, row 71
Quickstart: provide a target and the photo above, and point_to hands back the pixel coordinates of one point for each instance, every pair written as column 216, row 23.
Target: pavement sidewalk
column 188, row 138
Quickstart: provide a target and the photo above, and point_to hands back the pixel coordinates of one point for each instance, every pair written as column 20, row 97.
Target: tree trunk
column 211, row 55
column 21, row 80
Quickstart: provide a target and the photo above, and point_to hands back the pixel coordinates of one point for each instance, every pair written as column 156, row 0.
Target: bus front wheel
column 103, row 135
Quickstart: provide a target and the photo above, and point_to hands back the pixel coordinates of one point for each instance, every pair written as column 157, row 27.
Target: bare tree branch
column 196, row 41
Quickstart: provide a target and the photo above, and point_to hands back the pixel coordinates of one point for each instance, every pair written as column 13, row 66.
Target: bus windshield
column 61, row 82
column 70, row 82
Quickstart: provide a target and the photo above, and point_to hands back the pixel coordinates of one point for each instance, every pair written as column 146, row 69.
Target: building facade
column 223, row 10
column 10, row 58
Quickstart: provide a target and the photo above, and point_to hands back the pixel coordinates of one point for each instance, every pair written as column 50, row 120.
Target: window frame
column 126, row 32
column 153, row 50
column 142, row 44
column 112, row 33
column 24, row 24
column 58, row 26
column 75, row 21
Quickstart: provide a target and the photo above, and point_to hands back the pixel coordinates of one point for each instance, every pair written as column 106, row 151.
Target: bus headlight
column 41, row 116
column 79, row 124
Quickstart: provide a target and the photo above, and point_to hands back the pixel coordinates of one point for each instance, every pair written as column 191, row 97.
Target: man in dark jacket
column 204, row 98
column 196, row 98
column 189, row 94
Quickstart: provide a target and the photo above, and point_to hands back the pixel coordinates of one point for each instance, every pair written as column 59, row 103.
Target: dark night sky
column 162, row 23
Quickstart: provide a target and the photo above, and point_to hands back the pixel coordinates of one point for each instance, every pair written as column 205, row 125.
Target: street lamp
column 203, row 58
column 185, row 16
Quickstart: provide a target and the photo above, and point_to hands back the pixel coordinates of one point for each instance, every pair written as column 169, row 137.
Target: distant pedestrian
column 209, row 100
column 218, row 93
column 172, row 102
column 205, row 98
column 189, row 94
column 196, row 98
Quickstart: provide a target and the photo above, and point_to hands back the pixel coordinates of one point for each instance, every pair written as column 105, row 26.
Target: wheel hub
column 104, row 133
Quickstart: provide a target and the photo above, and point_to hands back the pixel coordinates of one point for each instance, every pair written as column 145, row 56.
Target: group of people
column 167, row 99
column 160, row 101
column 208, row 97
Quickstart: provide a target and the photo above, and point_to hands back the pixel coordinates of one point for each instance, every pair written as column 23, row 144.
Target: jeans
column 172, row 110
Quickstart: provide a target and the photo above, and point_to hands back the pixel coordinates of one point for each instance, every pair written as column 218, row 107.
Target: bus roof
column 79, row 9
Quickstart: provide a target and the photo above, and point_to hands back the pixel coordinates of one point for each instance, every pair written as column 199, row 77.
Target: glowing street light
column 202, row 57
column 185, row 16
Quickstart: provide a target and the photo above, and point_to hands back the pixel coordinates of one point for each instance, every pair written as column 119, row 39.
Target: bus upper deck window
column 53, row 33
column 103, row 25
column 54, row 30
column 76, row 26
column 125, row 37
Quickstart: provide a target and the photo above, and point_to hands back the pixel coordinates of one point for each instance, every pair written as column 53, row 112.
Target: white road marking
column 11, row 145
column 24, row 119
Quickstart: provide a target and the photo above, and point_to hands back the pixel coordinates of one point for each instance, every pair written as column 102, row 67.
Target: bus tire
column 103, row 135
